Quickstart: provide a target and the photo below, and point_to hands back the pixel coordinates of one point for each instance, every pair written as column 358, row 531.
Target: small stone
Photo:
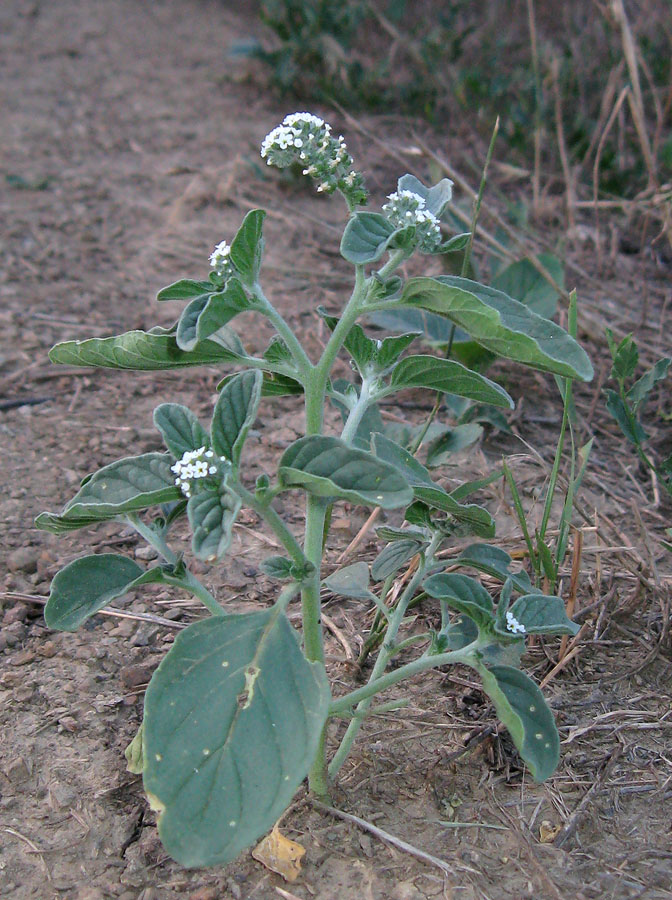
column 48, row 649
column 22, row 658
column 207, row 892
column 3, row 642
column 18, row 613
column 175, row 613
column 250, row 571
column 135, row 676
column 144, row 635
column 67, row 723
column 17, row 770
column 90, row 893
column 145, row 553
column 23, row 559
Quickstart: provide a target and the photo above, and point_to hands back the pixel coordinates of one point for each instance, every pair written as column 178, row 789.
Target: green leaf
column 127, row 485
column 366, row 237
column 247, row 246
column 85, row 586
column 625, row 356
column 448, row 376
column 371, row 356
column 464, row 594
column 496, row 562
column 457, row 242
column 327, row 467
column 278, row 567
column 424, row 489
column 521, row 707
column 452, row 441
column 140, row 350
column 542, row 615
column 350, row 581
column 641, row 389
column 220, row 308
column 184, row 289
column 180, row 429
column 133, row 754
column 212, row 516
column 233, row 718
column 56, row 524
column 522, row 281
column 436, row 198
column 234, row 414
column 393, row 557
column 186, row 335
column 500, row 324
column 630, row 427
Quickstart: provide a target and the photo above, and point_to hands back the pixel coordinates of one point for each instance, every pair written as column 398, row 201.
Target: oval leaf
column 328, row 467
column 366, row 237
column 140, row 350
column 448, row 376
column 496, row 562
column 500, row 324
column 350, row 581
column 234, row 414
column 542, row 615
column 521, row 707
column 464, row 594
column 184, row 289
column 180, row 429
column 212, row 516
column 85, row 586
column 233, row 717
column 393, row 557
column 127, row 485
column 247, row 246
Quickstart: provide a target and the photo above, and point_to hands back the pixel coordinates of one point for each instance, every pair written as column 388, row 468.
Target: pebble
column 18, row 613
column 145, row 553
column 48, row 649
column 23, row 559
column 207, row 892
column 134, row 676
column 16, row 632
column 22, row 658
column 17, row 770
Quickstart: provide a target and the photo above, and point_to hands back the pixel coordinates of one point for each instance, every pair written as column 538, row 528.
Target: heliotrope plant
column 236, row 714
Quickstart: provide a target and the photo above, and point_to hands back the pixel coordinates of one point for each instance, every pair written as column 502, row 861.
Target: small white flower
column 512, row 624
column 220, row 260
column 192, row 466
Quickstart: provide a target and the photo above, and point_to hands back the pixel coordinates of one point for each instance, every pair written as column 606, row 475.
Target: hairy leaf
column 247, row 247
column 184, row 289
column 180, row 429
column 500, row 324
column 393, row 557
column 542, row 615
column 366, row 237
column 233, row 717
column 212, row 516
column 448, row 376
column 234, row 414
column 464, row 594
column 521, row 707
column 328, row 467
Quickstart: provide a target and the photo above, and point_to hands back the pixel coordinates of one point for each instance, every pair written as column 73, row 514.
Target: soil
column 129, row 148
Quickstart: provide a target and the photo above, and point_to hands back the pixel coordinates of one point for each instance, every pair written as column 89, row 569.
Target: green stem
column 395, row 260
column 284, row 330
column 422, row 664
column 189, row 581
column 384, row 656
column 357, row 412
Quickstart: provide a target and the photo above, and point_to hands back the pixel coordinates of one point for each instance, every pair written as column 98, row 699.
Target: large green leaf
column 392, row 557
column 127, row 485
column 448, row 376
column 234, row 414
column 205, row 315
column 180, row 429
column 478, row 519
column 140, row 350
column 328, row 467
column 86, row 585
column 366, row 237
column 521, row 707
column 184, row 289
column 464, row 594
column 212, row 516
column 496, row 562
column 247, row 246
column 350, row 581
column 524, row 282
column 233, row 718
column 436, row 198
column 502, row 325
column 540, row 614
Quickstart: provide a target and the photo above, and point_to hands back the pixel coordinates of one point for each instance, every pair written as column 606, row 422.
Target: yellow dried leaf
column 280, row 855
column 548, row 832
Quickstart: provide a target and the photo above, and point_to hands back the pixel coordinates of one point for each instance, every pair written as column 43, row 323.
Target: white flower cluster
column 408, row 208
column 193, row 465
column 513, row 624
column 220, row 261
column 307, row 139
